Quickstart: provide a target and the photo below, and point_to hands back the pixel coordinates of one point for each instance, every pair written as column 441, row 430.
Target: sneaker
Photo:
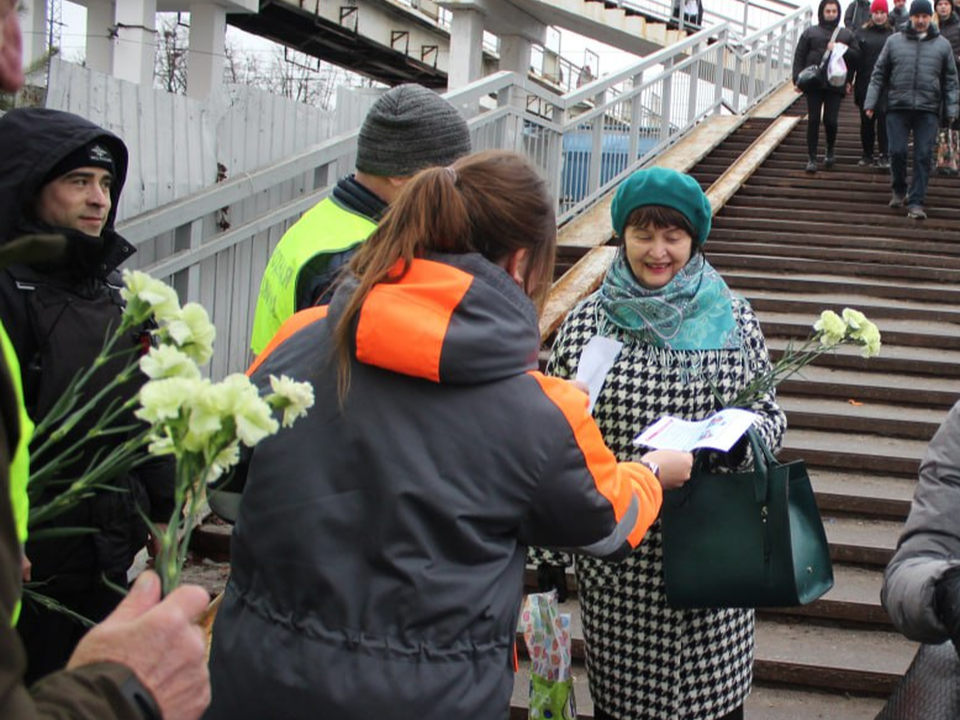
column 830, row 160
column 865, row 161
column 883, row 162
column 916, row 212
column 898, row 200
column 811, row 166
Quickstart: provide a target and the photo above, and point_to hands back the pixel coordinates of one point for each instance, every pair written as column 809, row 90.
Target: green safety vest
column 20, row 465
column 326, row 228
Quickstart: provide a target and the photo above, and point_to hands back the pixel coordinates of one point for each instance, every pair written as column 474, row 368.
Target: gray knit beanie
column 410, row 128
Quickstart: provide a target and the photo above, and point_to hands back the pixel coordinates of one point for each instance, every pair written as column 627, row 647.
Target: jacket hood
column 833, row 23
column 42, row 138
column 453, row 319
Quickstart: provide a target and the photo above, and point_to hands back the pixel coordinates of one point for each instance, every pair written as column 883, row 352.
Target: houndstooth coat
column 646, row 661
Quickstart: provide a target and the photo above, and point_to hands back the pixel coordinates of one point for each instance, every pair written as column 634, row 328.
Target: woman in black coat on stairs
column 873, row 130
column 824, row 102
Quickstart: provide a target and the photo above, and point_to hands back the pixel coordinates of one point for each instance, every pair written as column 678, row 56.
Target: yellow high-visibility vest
column 326, row 228
column 20, row 464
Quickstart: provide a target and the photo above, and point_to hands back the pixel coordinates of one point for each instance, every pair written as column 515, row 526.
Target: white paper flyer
column 718, row 432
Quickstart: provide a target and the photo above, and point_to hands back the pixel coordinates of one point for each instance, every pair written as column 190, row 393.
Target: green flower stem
column 70, row 399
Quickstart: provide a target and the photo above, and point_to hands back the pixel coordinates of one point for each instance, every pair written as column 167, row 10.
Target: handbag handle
column 762, row 460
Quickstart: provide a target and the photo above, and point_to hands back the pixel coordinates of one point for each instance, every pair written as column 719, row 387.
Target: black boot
column 831, row 159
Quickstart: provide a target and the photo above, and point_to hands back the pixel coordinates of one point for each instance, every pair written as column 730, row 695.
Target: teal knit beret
column 669, row 188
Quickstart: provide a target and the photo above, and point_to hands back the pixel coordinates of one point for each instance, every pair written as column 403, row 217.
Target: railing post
column 636, row 115
column 666, row 100
column 723, row 52
column 555, row 158
column 596, row 151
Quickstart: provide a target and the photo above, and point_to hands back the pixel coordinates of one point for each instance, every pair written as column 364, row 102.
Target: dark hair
column 662, row 217
column 492, row 203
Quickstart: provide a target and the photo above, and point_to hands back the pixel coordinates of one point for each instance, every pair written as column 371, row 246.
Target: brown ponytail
column 492, row 203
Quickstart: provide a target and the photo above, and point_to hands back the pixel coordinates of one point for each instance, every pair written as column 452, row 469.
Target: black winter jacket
column 871, row 39
column 57, row 316
column 857, row 14
column 813, row 44
column 950, row 29
column 899, row 18
column 915, row 74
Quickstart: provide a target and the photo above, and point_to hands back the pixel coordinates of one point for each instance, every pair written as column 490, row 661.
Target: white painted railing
column 584, row 142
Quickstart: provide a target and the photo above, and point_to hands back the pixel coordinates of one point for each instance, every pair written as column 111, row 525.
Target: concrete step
column 865, row 495
column 759, row 261
column 814, row 285
column 917, row 423
column 860, row 386
column 866, row 542
column 875, row 308
column 853, row 452
column 837, row 658
column 854, row 598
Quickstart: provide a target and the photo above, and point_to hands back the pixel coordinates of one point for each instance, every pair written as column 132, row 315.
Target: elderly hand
column 160, row 642
column 675, row 466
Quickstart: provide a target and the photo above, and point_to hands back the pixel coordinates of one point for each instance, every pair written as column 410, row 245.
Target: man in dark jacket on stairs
column 858, row 12
column 917, row 72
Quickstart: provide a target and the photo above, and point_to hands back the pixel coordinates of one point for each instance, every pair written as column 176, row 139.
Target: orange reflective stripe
column 384, row 338
column 617, row 482
column 295, row 322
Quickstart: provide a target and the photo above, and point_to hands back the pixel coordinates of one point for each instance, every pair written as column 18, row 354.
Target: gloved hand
column 553, row 577
column 947, row 599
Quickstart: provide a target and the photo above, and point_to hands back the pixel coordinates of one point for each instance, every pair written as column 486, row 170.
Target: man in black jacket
column 62, row 174
column 917, row 72
column 857, row 13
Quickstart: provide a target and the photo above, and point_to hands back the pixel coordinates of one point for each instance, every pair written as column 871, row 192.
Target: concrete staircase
column 795, row 244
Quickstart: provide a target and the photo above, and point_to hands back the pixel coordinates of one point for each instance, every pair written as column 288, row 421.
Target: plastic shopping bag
column 547, row 635
column 837, row 66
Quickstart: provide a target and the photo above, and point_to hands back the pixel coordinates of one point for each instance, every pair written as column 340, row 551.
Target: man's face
column 78, row 200
column 831, row 12
column 921, row 22
column 11, row 73
column 899, row 3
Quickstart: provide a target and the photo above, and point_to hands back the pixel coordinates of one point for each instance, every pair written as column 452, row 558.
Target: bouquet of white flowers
column 201, row 423
column 830, row 332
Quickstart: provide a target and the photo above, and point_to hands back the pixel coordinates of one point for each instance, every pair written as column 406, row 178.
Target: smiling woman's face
column 655, row 254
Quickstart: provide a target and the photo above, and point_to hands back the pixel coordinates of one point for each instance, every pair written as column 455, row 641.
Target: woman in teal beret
column 683, row 334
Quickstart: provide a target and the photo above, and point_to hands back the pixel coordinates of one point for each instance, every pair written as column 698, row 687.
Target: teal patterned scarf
column 691, row 312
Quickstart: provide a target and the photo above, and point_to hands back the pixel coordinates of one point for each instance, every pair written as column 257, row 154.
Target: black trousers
column 825, row 104
column 873, row 130
column 736, row 714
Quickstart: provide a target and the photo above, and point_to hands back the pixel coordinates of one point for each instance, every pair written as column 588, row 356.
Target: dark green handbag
column 747, row 539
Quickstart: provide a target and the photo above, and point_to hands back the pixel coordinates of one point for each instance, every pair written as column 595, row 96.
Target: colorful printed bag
column 948, row 149
column 547, row 635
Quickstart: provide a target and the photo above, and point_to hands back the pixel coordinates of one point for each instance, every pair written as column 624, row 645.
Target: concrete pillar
column 515, row 54
column 208, row 28
column 515, row 57
column 101, row 24
column 466, row 48
column 33, row 25
column 136, row 49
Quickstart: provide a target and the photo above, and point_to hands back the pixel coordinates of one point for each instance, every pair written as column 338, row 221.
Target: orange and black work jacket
column 378, row 555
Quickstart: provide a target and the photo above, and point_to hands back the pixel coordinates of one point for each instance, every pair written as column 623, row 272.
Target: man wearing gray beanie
column 409, row 128
column 916, row 75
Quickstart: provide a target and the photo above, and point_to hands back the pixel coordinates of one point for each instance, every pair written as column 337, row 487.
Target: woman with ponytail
column 378, row 556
